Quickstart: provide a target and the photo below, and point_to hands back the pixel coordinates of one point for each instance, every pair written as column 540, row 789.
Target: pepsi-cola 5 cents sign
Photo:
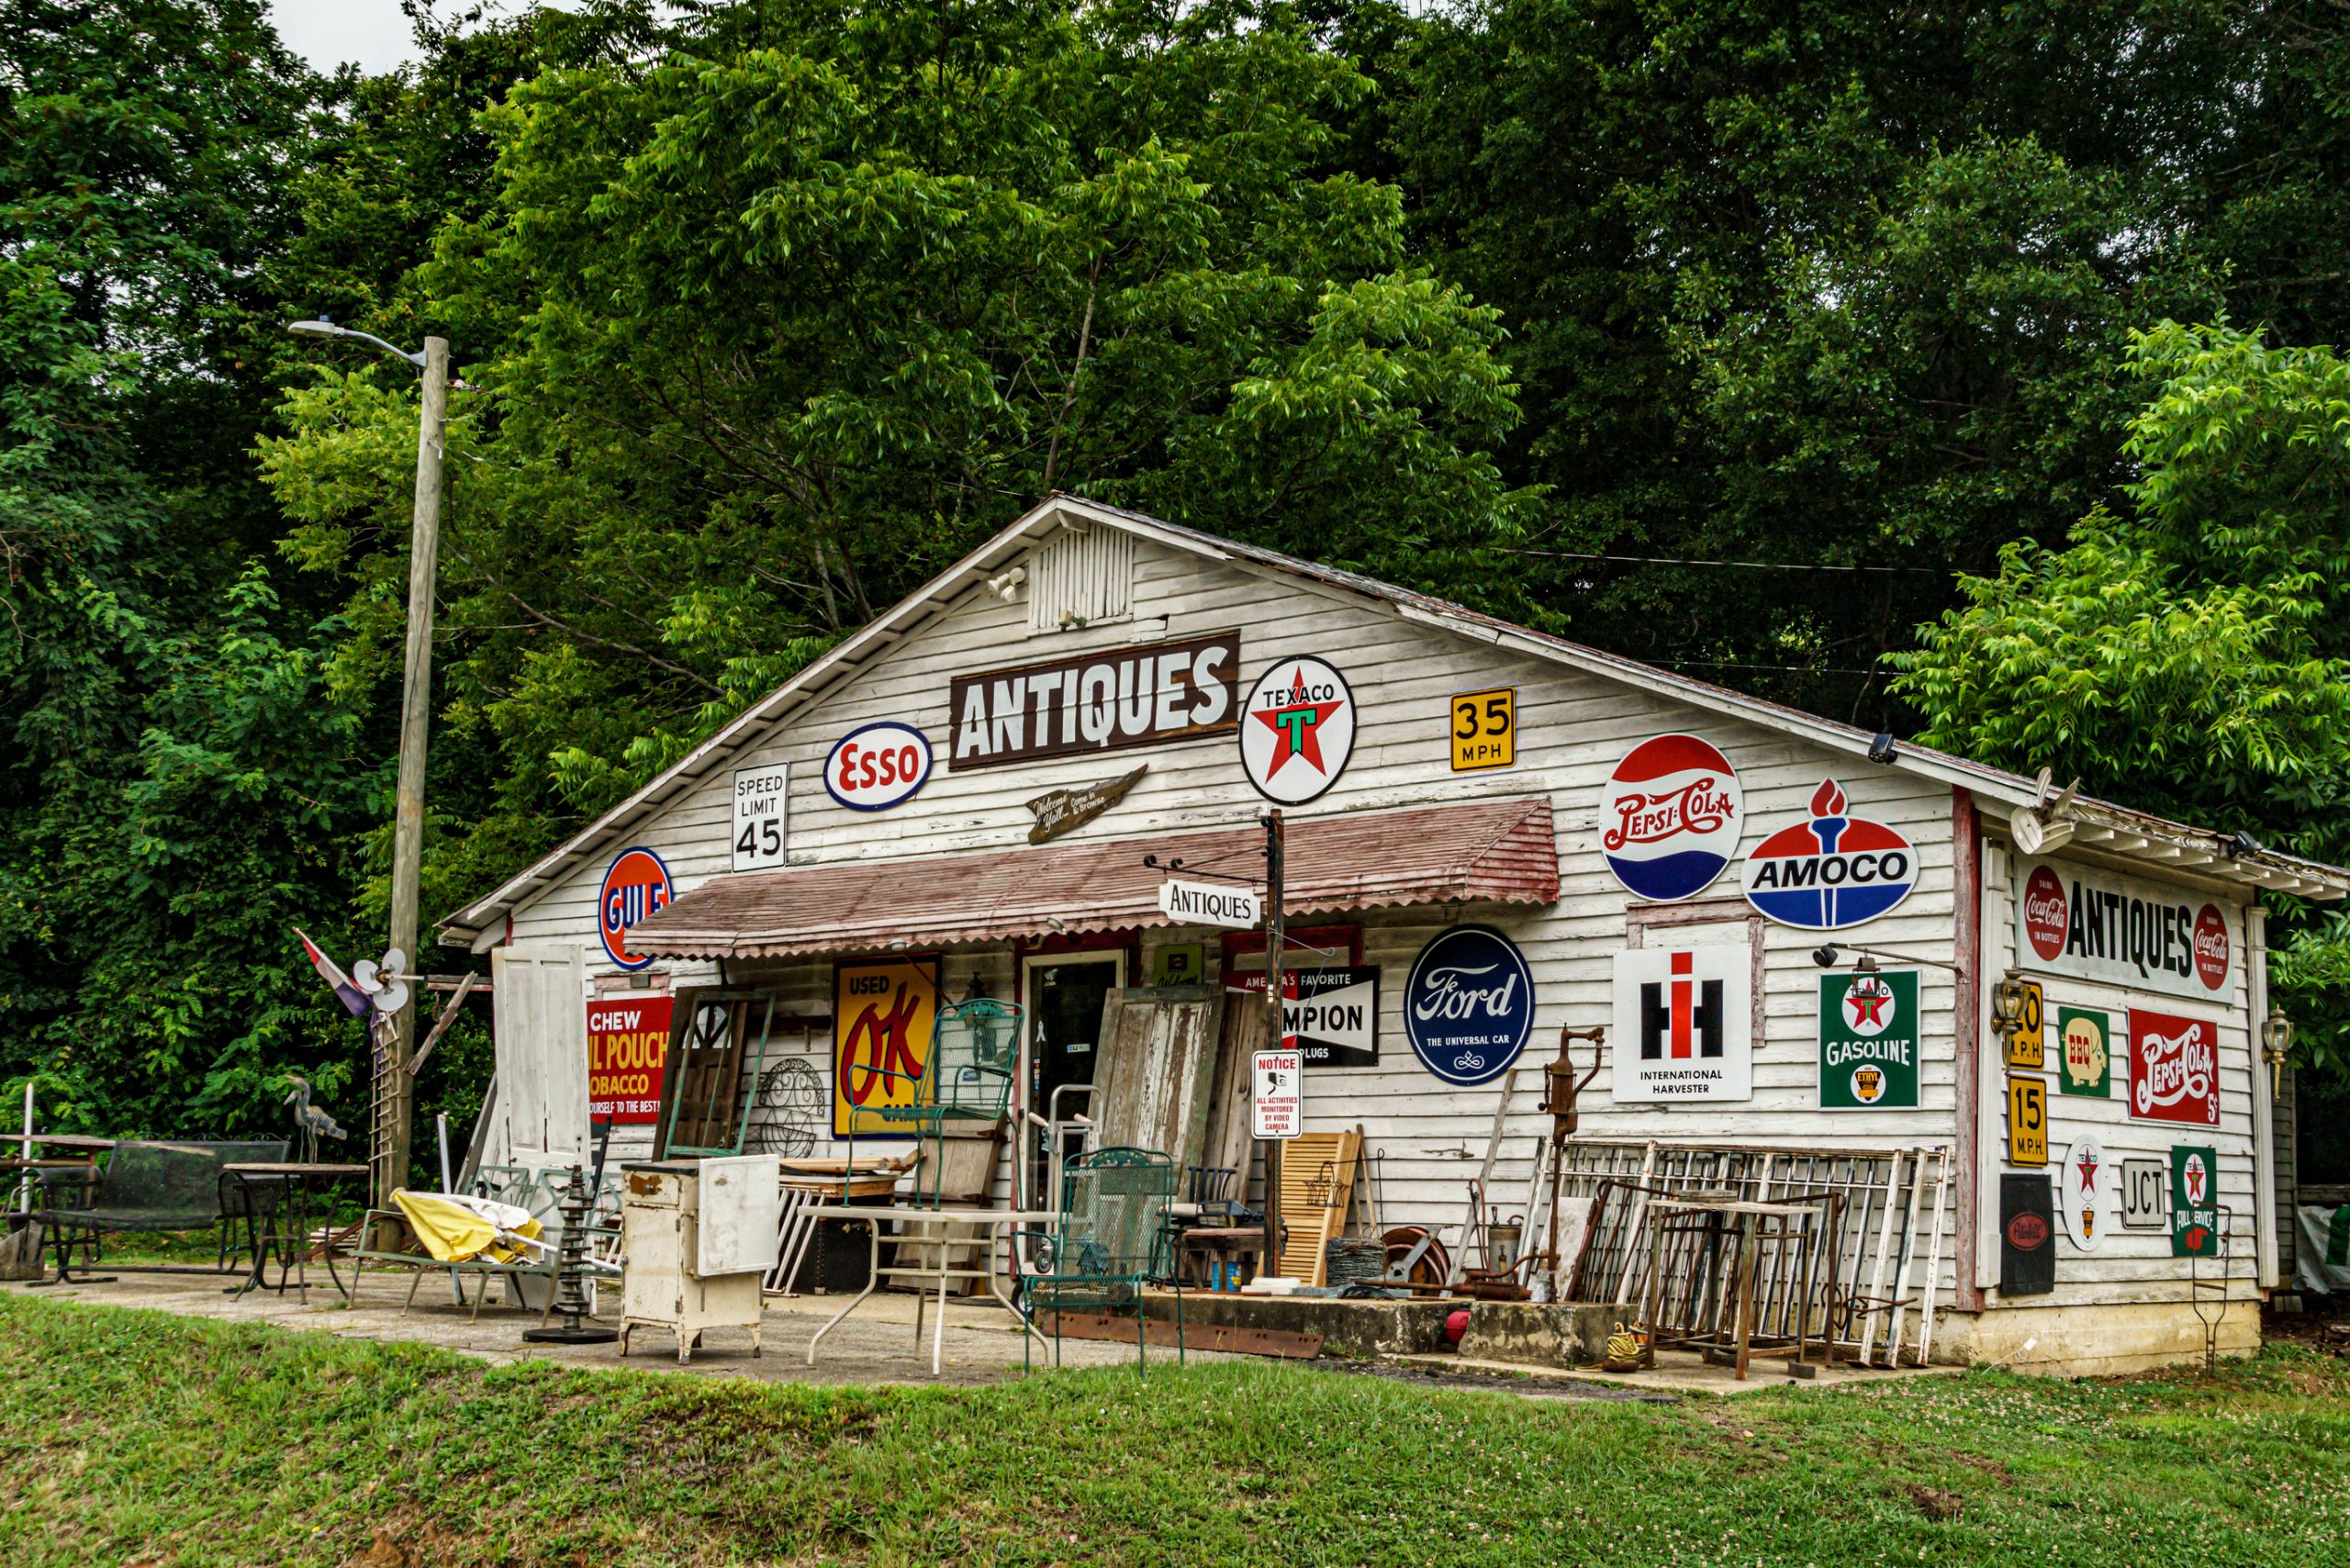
column 1469, row 1005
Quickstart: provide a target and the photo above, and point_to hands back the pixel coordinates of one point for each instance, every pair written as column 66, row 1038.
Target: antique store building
column 1793, row 933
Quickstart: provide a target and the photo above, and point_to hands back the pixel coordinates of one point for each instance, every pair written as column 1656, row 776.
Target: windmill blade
column 392, row 997
column 367, row 977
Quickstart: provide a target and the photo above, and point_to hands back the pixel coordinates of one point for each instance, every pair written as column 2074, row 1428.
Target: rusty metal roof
column 1488, row 852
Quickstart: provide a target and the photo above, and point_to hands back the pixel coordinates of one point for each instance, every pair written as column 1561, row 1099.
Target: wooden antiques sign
column 2194, row 1202
column 1683, row 1026
column 1065, row 811
column 1868, row 1041
column 2173, row 1069
column 2098, row 925
column 1128, row 696
column 885, row 1012
column 626, row 1043
column 2027, row 1236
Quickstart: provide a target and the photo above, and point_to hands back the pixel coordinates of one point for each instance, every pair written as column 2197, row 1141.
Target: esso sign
column 877, row 767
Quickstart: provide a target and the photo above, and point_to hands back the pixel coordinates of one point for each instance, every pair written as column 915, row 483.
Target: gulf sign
column 2090, row 923
column 878, row 766
column 635, row 885
column 1671, row 817
column 1831, row 870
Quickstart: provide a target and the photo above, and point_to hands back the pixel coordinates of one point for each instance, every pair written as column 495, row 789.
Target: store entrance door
column 1065, row 995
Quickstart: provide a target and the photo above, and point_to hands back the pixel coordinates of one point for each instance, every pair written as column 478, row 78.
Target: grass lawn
column 135, row 1437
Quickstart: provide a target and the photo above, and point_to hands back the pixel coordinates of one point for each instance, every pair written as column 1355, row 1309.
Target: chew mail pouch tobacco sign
column 1150, row 694
column 2099, row 926
column 2173, row 1069
column 627, row 1042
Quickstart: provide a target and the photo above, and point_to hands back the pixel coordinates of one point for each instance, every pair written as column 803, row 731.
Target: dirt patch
column 1933, row 1502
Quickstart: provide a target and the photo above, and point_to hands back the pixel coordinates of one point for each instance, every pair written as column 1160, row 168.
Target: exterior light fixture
column 2045, row 826
column 320, row 327
column 2009, row 998
column 2276, row 1039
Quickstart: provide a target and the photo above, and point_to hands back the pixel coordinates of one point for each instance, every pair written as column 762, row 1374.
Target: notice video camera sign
column 1277, row 1101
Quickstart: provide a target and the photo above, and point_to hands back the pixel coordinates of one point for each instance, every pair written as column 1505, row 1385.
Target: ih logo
column 1684, row 1013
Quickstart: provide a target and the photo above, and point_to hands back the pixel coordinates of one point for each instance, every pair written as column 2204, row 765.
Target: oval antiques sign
column 1297, row 730
column 1670, row 817
column 1833, row 870
column 1469, row 1004
column 2080, row 921
column 635, row 885
column 878, row 766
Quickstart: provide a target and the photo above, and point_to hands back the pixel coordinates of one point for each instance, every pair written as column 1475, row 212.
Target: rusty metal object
column 1559, row 1087
column 1430, row 1264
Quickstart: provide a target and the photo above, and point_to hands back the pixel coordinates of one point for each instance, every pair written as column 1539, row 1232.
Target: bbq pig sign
column 2095, row 925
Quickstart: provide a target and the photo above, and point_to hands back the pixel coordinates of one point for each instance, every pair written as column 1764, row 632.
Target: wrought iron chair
column 964, row 1085
column 1109, row 1243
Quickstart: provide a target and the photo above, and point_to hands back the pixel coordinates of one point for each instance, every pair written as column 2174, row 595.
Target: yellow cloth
column 456, row 1228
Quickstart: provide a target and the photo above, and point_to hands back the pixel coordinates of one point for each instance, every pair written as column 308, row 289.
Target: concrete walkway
column 876, row 1345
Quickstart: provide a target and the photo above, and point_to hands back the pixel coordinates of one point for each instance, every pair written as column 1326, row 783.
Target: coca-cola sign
column 2093, row 924
column 2173, row 1069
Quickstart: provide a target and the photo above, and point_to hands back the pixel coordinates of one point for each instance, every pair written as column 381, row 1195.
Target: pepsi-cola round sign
column 1831, row 870
column 1469, row 1005
column 877, row 766
column 1671, row 817
column 635, row 885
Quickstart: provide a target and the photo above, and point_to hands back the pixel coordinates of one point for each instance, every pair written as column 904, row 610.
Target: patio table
column 291, row 1215
column 937, row 1244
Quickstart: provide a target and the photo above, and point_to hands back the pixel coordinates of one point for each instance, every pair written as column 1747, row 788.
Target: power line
column 1746, row 565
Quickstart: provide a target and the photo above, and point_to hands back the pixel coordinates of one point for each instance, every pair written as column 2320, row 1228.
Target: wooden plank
column 1278, row 1342
column 1156, row 1068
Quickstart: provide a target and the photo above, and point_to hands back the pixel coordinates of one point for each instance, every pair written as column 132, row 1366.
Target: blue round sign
column 1468, row 1006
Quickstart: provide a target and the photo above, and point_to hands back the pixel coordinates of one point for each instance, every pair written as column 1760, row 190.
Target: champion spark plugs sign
column 2080, row 921
column 626, row 1043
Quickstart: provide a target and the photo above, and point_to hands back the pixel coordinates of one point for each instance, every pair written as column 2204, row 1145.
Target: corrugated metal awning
column 1487, row 852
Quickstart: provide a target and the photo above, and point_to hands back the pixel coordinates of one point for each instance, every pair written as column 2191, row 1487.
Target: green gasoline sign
column 1868, row 1041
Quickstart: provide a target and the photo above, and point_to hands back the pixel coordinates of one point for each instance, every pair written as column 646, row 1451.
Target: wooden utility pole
column 396, row 1097
column 1273, row 1036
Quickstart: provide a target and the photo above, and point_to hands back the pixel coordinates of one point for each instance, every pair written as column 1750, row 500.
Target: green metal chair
column 1110, row 1241
column 966, row 1085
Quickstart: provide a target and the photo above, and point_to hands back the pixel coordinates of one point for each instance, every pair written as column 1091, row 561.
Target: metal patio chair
column 966, row 1085
column 1109, row 1243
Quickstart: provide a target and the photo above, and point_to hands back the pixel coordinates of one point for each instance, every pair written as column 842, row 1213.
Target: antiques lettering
column 1119, row 697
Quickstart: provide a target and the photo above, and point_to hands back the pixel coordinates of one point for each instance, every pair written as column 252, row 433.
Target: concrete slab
column 1684, row 1371
column 876, row 1345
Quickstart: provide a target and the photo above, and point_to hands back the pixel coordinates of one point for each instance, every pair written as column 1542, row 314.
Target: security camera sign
column 1277, row 1103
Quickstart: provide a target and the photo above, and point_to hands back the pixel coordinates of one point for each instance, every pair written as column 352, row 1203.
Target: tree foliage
column 2189, row 653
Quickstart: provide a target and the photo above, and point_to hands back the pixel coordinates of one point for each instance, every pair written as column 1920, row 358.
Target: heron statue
column 311, row 1119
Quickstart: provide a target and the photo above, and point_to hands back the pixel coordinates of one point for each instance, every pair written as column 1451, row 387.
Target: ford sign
column 1468, row 1006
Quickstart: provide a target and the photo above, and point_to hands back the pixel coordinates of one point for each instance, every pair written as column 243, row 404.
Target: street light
column 388, row 1156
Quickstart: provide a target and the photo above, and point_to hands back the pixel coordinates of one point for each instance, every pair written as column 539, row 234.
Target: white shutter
column 1082, row 579
column 540, row 1000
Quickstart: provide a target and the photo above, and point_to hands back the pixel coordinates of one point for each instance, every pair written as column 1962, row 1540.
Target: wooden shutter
column 539, row 997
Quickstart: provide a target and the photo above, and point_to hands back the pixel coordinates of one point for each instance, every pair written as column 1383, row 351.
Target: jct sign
column 2173, row 1069
column 626, row 1043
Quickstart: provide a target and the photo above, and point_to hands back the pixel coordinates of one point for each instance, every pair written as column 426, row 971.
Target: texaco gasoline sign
column 1297, row 730
column 1868, row 1041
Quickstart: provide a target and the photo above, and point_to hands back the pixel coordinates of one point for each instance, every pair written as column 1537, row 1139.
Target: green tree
column 776, row 325
column 2190, row 651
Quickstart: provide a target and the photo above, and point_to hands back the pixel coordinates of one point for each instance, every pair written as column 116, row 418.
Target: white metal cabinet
column 665, row 1208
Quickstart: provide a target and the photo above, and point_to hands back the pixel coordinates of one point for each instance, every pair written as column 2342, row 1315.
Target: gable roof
column 2100, row 826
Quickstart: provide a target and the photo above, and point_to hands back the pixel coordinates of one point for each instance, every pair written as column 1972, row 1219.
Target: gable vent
column 1082, row 579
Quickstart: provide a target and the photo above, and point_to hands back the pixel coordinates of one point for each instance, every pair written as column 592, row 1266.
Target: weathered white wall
column 1572, row 729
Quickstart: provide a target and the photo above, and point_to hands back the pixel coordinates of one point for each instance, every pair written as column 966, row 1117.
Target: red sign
column 2173, row 1069
column 626, row 1043
column 2045, row 917
column 2212, row 947
column 636, row 885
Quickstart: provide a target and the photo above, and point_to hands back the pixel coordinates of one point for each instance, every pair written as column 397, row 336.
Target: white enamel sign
column 1682, row 1029
column 876, row 767
column 1297, row 730
column 2088, row 1193
column 1277, row 1103
column 759, row 806
column 1211, row 904
column 2094, row 925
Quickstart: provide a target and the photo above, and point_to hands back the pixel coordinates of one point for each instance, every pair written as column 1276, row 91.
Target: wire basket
column 1354, row 1260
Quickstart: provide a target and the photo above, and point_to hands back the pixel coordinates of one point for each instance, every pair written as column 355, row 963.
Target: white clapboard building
column 1793, row 933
